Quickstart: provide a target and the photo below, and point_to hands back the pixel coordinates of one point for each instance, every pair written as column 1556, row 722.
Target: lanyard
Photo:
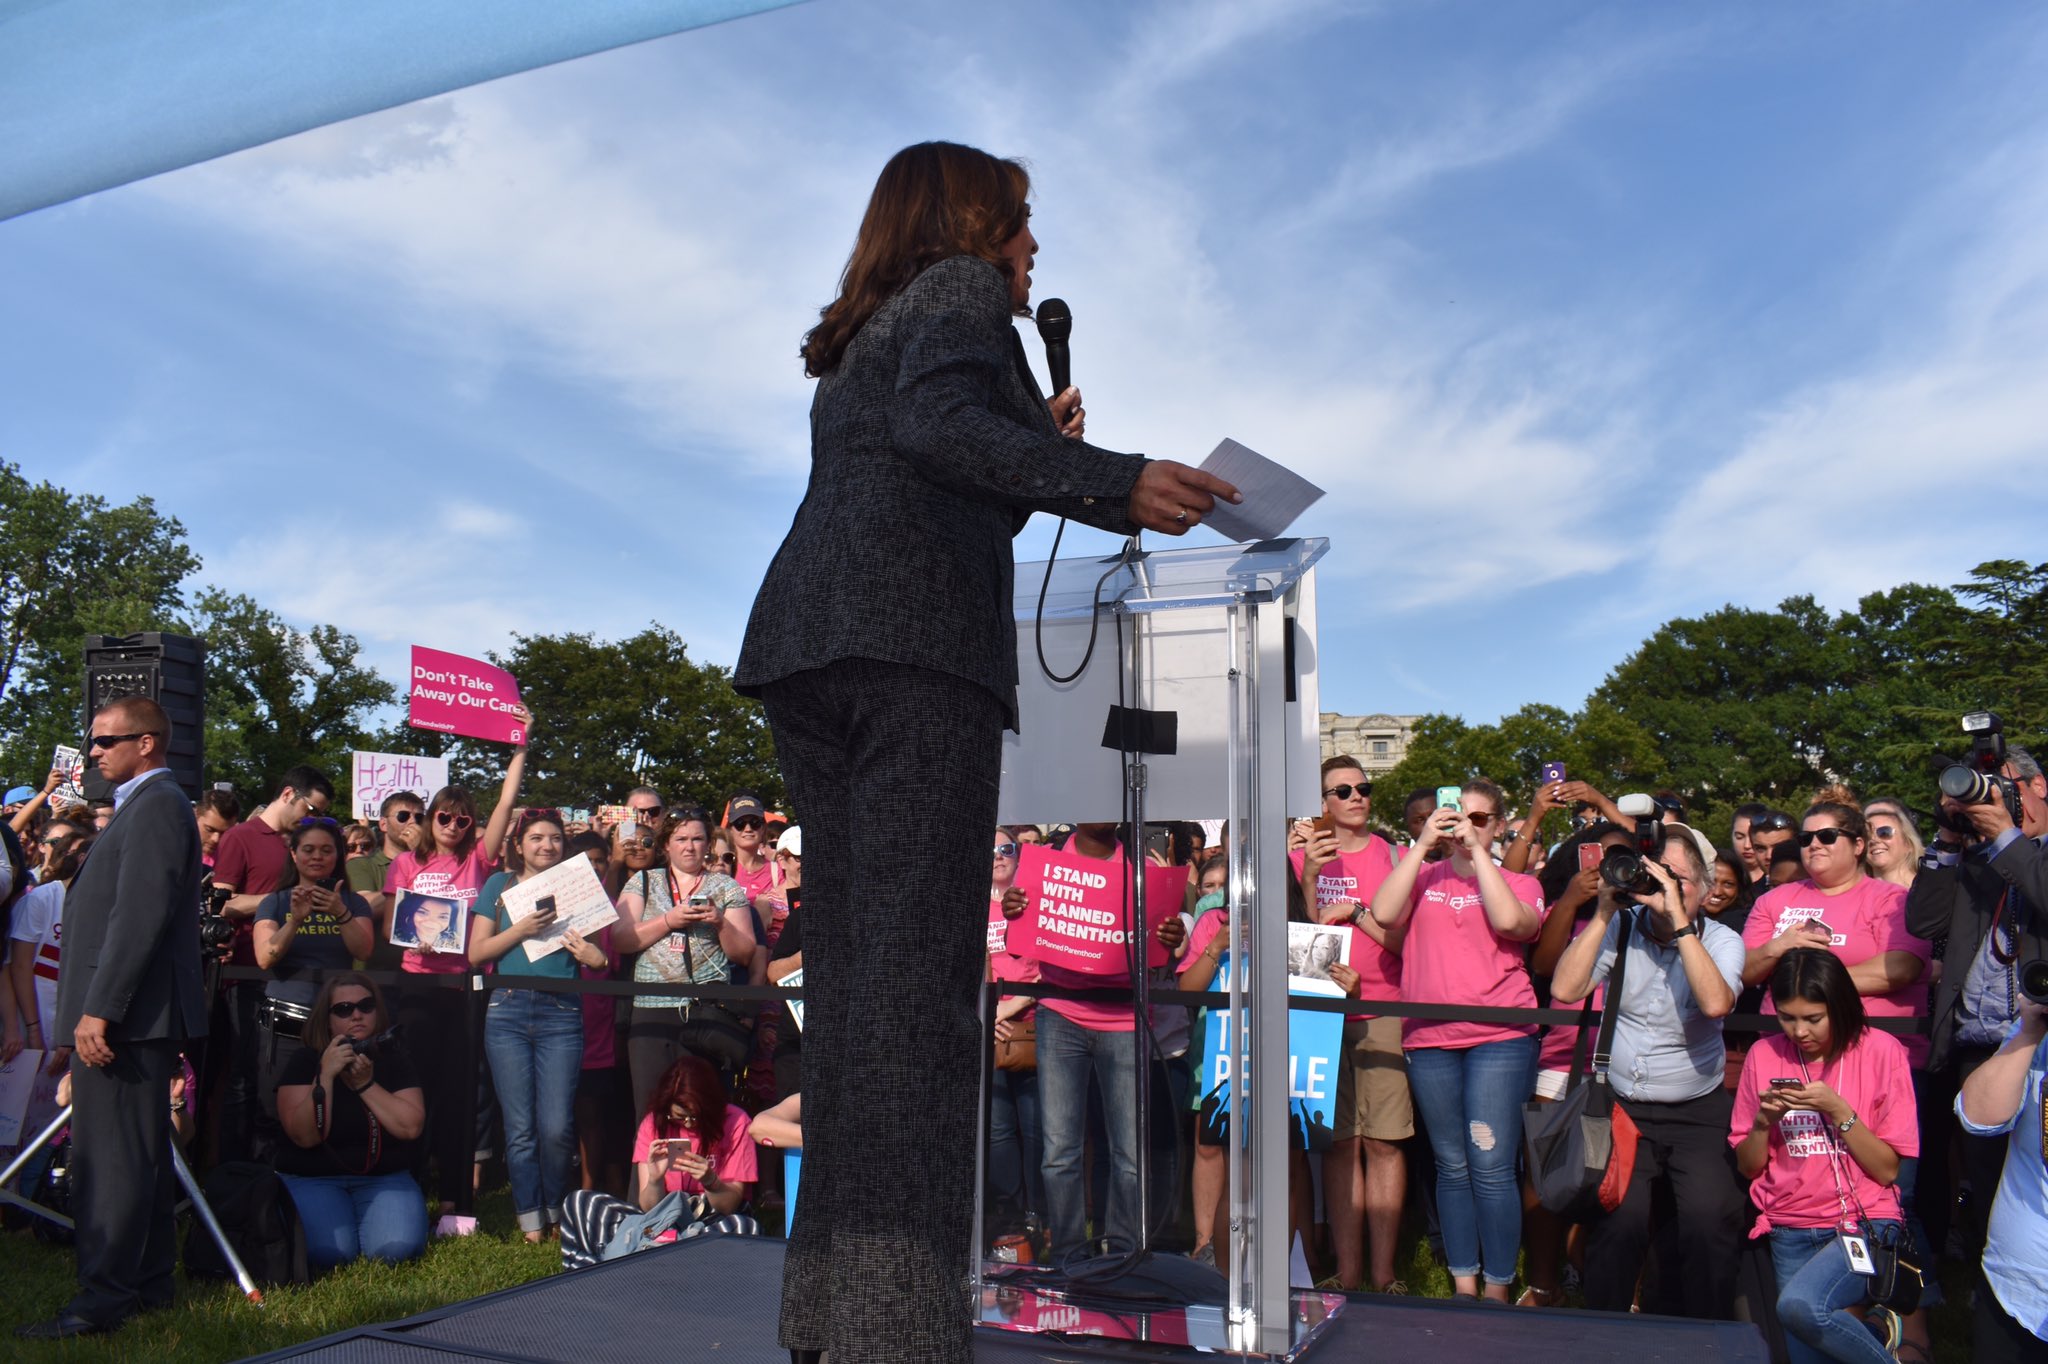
column 1845, row 1186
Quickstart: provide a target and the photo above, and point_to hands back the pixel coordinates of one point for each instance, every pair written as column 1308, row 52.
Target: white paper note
column 794, row 981
column 1273, row 496
column 580, row 903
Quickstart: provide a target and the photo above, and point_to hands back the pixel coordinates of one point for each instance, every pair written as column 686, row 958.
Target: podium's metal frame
column 1265, row 595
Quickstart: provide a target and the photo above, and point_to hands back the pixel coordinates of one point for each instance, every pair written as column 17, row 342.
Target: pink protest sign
column 999, row 927
column 1079, row 907
column 457, row 695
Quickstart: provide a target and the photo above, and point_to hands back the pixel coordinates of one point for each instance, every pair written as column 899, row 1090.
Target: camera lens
column 2034, row 980
column 1965, row 784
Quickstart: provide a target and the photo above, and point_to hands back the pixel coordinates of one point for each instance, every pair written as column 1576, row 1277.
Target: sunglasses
column 1883, row 831
column 727, row 858
column 319, row 822
column 349, row 1008
column 409, row 816
column 99, row 741
column 1006, row 850
column 1827, row 837
column 749, row 823
column 1770, row 822
column 1480, row 818
column 1343, row 792
column 547, row 812
column 449, row 820
column 646, row 814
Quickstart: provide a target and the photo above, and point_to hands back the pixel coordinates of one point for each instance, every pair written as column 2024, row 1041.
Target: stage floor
column 713, row 1300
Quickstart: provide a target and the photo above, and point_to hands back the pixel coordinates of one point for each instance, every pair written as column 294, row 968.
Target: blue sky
column 1586, row 315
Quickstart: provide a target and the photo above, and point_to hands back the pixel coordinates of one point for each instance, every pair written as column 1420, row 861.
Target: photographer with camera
column 1667, row 1072
column 354, row 1111
column 249, row 863
column 311, row 923
column 1983, row 887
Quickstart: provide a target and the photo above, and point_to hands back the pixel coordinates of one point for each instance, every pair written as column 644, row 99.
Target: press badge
column 1859, row 1253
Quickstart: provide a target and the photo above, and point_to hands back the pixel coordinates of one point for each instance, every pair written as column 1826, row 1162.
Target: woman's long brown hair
column 932, row 201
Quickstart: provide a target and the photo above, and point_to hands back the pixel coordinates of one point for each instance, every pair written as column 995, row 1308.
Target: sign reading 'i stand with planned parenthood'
column 456, row 695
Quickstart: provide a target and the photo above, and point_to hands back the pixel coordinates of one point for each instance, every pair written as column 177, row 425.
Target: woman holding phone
column 1467, row 922
column 1824, row 1114
column 689, row 924
column 533, row 1039
column 690, row 1142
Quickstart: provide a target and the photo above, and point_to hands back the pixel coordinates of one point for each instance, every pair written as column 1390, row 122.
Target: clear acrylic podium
column 1225, row 637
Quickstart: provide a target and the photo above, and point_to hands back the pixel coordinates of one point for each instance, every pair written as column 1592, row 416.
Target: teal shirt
column 557, row 964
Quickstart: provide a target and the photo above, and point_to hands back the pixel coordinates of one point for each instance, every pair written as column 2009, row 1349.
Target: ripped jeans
column 1470, row 1100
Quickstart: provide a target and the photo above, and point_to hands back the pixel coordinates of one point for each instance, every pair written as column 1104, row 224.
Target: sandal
column 1532, row 1296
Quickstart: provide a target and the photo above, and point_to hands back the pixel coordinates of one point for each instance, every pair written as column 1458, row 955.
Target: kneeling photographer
column 1681, row 979
column 312, row 923
column 1983, row 886
column 352, row 1112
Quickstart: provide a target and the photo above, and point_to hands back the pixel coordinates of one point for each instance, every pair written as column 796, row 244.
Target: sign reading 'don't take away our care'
column 457, row 695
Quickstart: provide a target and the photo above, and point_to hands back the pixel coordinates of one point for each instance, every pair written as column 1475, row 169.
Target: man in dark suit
column 128, row 993
column 884, row 648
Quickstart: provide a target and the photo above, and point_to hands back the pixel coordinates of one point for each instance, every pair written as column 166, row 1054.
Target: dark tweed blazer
column 931, row 446
column 131, row 924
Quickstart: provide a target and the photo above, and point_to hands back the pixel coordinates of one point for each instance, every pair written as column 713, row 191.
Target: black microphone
column 1055, row 325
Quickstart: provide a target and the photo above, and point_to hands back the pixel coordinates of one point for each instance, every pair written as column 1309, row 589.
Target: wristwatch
column 1358, row 916
column 1689, row 931
column 1845, row 1124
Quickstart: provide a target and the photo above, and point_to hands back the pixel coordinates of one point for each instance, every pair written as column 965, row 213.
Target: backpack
column 255, row 1210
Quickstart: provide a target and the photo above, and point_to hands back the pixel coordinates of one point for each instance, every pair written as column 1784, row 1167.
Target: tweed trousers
column 892, row 772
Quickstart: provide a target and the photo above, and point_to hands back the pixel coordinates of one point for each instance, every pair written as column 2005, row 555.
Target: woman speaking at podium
column 883, row 646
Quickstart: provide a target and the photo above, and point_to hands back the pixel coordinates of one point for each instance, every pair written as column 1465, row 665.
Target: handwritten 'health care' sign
column 457, row 695
column 379, row 775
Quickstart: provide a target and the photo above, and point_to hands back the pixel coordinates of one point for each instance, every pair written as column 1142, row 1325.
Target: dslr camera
column 216, row 929
column 1977, row 780
column 370, row 1046
column 1622, row 865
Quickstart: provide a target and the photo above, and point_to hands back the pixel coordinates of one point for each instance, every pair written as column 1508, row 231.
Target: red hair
column 693, row 1086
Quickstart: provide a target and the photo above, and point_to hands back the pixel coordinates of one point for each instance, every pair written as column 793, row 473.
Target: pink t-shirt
column 1868, row 919
column 1797, row 1187
column 1354, row 877
column 1452, row 956
column 755, row 883
column 1086, row 1013
column 734, row 1156
column 1004, row 964
column 441, row 875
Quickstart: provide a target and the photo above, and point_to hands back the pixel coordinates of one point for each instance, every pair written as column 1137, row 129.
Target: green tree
column 277, row 695
column 72, row 565
column 609, row 716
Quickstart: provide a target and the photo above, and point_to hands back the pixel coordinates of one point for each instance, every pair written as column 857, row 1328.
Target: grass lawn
column 213, row 1322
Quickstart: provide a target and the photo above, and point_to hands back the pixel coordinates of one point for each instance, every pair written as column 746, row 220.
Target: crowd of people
column 1883, row 1102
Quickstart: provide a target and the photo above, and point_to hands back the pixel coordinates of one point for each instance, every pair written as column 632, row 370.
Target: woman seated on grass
column 354, row 1120
column 690, row 1142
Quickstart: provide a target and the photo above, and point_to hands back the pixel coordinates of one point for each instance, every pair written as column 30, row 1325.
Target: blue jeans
column 1068, row 1055
column 1016, row 1142
column 1470, row 1100
column 382, row 1217
column 535, row 1045
column 1815, row 1283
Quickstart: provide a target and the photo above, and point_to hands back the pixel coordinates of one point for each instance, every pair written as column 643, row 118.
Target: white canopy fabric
column 96, row 93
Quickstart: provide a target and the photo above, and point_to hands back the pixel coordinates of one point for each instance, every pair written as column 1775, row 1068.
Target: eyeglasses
column 1883, row 831
column 1827, row 837
column 1006, row 850
column 99, row 741
column 408, row 816
column 748, row 822
column 1343, row 792
column 349, row 1008
column 1480, row 818
column 449, row 820
column 1770, row 821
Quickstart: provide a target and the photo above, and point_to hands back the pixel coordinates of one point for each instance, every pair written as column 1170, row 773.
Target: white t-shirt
column 39, row 923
